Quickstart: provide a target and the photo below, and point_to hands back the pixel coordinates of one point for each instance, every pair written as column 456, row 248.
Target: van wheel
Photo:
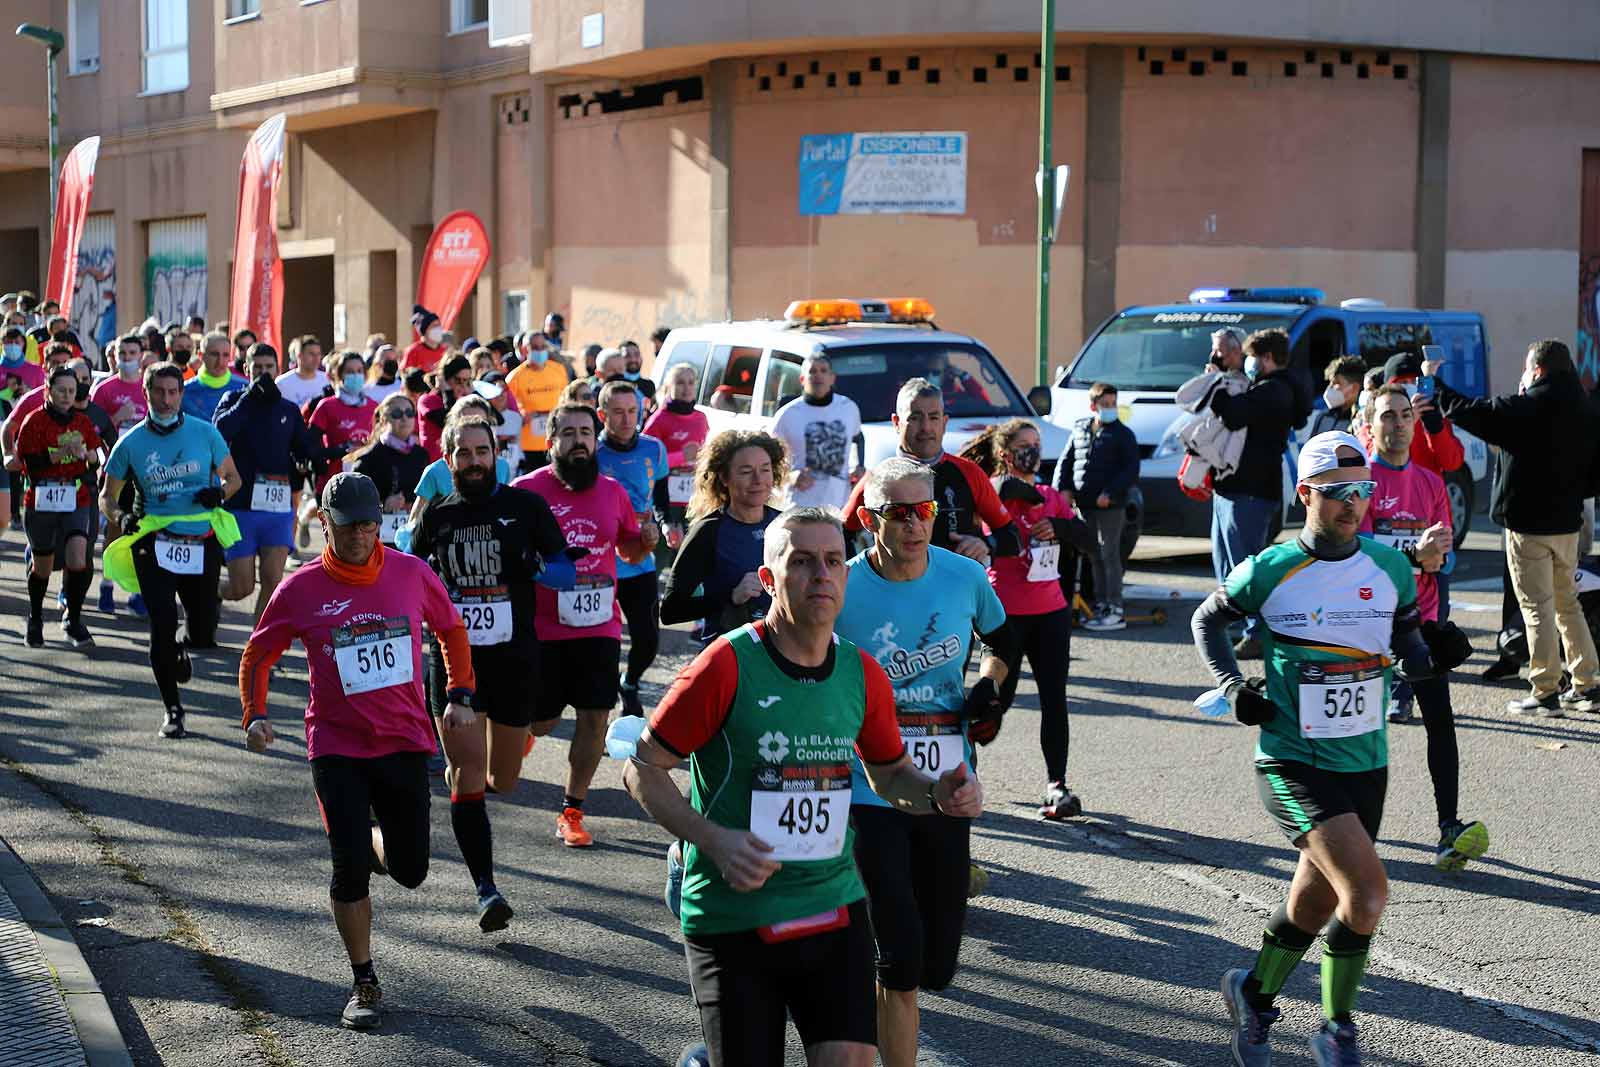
column 1459, row 489
column 1133, row 525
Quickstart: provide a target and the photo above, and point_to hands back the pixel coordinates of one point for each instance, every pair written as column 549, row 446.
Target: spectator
column 1434, row 446
column 1244, row 502
column 555, row 330
column 821, row 428
column 1546, row 435
column 1095, row 474
column 591, row 359
column 1344, row 377
column 1362, row 418
column 658, row 337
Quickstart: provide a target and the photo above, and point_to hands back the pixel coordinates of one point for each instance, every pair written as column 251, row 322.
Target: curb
column 86, row 1004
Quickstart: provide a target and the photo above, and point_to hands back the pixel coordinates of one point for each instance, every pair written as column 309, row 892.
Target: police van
column 1148, row 351
column 748, row 370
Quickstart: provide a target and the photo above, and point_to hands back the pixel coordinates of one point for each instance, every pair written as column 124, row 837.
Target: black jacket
column 1094, row 463
column 1546, row 438
column 1268, row 412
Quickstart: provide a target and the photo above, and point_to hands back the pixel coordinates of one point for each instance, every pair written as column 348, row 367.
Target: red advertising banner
column 72, row 208
column 257, row 303
column 456, row 254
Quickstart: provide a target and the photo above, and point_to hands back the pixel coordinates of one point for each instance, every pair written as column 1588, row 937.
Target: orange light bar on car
column 909, row 309
column 822, row 311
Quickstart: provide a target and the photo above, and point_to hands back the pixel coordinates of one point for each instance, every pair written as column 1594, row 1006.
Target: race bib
column 933, row 740
column 536, row 421
column 270, row 493
column 587, row 604
column 1400, row 536
column 488, row 622
column 373, row 655
column 1045, row 562
column 390, row 525
column 680, row 486
column 55, row 496
column 1342, row 699
column 180, row 557
column 802, row 811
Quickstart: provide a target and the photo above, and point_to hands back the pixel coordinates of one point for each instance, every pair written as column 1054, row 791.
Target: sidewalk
column 52, row 1013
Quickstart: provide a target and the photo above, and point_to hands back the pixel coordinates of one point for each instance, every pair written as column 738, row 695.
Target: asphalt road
column 1100, row 942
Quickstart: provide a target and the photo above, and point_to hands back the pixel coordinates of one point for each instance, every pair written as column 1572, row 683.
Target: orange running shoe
column 569, row 827
column 527, row 746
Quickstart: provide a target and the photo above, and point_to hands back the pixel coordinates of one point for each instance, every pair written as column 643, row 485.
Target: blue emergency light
column 1263, row 295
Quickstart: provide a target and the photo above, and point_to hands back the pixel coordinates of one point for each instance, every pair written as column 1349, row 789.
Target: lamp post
column 53, row 43
column 1048, row 208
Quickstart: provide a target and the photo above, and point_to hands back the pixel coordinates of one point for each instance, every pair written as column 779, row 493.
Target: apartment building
column 639, row 162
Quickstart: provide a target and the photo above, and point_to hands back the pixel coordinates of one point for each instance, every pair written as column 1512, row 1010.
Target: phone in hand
column 1430, row 354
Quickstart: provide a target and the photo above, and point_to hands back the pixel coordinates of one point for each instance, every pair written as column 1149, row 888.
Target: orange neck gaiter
column 353, row 573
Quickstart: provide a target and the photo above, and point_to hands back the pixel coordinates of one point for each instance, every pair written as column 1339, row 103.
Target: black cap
column 349, row 498
column 422, row 318
column 1403, row 365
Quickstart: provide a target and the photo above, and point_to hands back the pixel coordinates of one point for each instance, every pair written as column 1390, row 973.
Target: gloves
column 1075, row 533
column 1250, row 703
column 130, row 524
column 1010, row 488
column 210, row 497
column 576, row 552
column 1448, row 646
column 983, row 712
column 264, row 390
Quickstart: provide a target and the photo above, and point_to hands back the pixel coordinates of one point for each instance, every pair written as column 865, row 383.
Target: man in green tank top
column 773, row 912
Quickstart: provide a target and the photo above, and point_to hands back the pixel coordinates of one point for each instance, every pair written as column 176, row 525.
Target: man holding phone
column 1435, row 445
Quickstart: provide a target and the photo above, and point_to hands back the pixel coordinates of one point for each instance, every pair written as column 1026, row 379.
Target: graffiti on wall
column 94, row 297
column 611, row 323
column 1588, row 354
column 175, row 287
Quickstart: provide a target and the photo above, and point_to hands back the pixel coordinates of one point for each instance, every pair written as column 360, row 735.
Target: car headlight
column 1170, row 444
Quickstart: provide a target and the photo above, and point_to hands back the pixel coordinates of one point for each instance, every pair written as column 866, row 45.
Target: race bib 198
column 488, row 620
column 55, row 496
column 1045, row 562
column 270, row 493
column 801, row 810
column 1342, row 699
column 587, row 604
column 180, row 557
column 373, row 655
column 680, row 486
column 933, row 740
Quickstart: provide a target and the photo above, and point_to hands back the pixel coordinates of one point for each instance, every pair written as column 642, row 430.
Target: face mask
column 83, row 391
column 1333, row 396
column 1107, row 414
column 13, row 354
column 1250, row 367
column 538, row 356
column 1525, row 383
column 434, row 336
column 129, row 366
column 180, row 356
column 1026, row 459
column 390, row 367
column 630, row 375
column 1361, row 400
column 354, row 383
column 164, row 420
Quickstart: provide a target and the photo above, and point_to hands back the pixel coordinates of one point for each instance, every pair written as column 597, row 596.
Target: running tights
column 1047, row 642
column 1444, row 759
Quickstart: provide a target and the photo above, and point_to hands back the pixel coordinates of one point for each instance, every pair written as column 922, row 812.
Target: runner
column 383, row 373
column 772, row 911
column 1410, row 512
column 454, row 384
column 682, row 427
column 436, row 480
column 267, row 439
column 425, row 352
column 913, row 608
column 580, row 627
column 821, row 429
column 536, row 384
column 306, row 381
column 214, row 380
column 962, row 491
column 1031, row 590
column 1332, row 607
column 394, row 460
column 358, row 611
column 174, row 534
column 57, row 447
column 639, row 463
column 344, row 419
column 716, row 576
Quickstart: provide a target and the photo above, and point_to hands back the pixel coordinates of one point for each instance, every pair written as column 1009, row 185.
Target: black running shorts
column 1298, row 796
column 580, row 672
column 916, row 870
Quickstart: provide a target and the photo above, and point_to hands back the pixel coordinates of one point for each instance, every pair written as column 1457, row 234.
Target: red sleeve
column 698, row 702
column 1447, row 451
column 984, row 499
column 879, row 740
column 852, row 521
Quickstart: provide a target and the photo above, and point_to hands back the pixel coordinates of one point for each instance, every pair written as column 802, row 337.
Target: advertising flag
column 456, row 254
column 257, row 303
column 72, row 208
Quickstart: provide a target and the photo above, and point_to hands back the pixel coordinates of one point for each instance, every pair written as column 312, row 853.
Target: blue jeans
column 1238, row 531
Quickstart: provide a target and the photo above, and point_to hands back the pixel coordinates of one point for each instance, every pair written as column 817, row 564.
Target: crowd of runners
column 493, row 518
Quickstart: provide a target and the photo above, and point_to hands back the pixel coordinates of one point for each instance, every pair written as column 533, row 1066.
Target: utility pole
column 1046, row 185
column 53, row 43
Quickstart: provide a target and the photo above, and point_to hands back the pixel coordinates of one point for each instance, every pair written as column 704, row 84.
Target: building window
column 166, row 45
column 514, row 311
column 468, row 15
column 238, row 9
column 510, row 22
column 83, row 16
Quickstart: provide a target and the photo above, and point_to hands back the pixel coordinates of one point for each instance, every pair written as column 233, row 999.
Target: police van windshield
column 1160, row 350
column 972, row 382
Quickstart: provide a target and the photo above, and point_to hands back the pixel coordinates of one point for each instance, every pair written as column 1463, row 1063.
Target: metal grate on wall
column 1184, row 63
column 890, row 72
column 175, row 268
column 596, row 101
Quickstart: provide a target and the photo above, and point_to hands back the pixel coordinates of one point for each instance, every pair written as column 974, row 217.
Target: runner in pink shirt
column 682, row 427
column 359, row 612
column 581, row 671
column 345, row 418
column 121, row 396
column 1030, row 588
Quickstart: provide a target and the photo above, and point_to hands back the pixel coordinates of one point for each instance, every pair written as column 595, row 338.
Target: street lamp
column 53, row 43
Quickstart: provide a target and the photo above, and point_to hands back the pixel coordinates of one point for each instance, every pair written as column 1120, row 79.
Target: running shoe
column 77, row 634
column 1060, row 802
column 364, row 1009
column 1106, row 621
column 108, row 599
column 630, row 700
column 977, row 881
column 493, row 912
column 1459, row 842
column 1335, row 1046
column 1249, row 1043
column 569, row 827
column 1544, row 707
column 172, row 725
column 695, row 1056
column 1401, row 713
column 1501, row 669
column 1247, row 648
column 1588, row 700
column 136, row 606
column 674, row 891
column 35, row 635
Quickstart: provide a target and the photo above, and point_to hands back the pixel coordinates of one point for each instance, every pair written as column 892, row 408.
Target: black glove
column 1448, row 646
column 1433, row 420
column 1075, row 533
column 576, row 552
column 983, row 712
column 1250, row 703
column 130, row 524
column 264, row 390
column 1010, row 488
column 209, row 497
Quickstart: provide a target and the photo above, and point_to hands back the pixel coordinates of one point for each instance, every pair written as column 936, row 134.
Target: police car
column 748, row 370
column 1148, row 351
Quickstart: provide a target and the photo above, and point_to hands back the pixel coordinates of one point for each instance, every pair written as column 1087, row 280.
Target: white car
column 748, row 370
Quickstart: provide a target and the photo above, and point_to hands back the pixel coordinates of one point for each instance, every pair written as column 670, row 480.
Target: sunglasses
column 1345, row 490
column 924, row 510
column 396, row 414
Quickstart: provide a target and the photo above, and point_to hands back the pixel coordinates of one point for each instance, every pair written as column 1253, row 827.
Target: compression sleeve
column 879, row 741
column 1210, row 628
column 270, row 640
column 698, row 701
column 696, row 556
column 457, row 651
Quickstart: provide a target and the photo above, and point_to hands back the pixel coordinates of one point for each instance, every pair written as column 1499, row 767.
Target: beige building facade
column 636, row 162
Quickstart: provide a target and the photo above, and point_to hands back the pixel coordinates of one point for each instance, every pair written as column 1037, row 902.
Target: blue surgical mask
column 630, row 375
column 163, row 420
column 129, row 366
column 1250, row 367
column 13, row 354
column 1107, row 414
column 537, row 356
column 354, row 383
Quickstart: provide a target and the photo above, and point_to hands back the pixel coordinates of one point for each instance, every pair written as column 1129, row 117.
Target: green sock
column 1344, row 962
column 1283, row 944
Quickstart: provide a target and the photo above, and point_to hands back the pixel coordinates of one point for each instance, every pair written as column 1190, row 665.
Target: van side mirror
column 1039, row 397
